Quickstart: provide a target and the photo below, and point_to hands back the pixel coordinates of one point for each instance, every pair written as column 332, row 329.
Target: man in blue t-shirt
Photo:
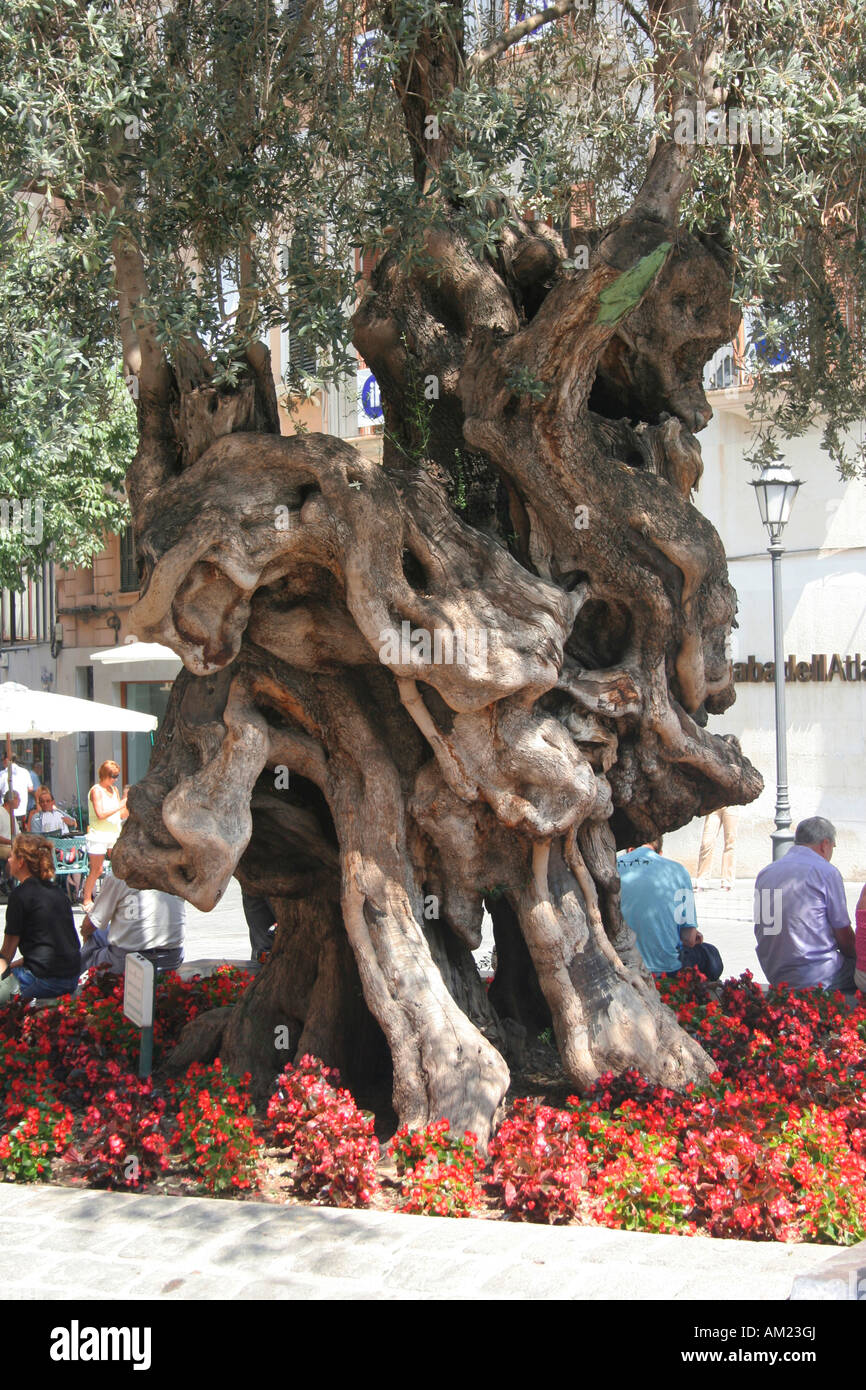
column 658, row 903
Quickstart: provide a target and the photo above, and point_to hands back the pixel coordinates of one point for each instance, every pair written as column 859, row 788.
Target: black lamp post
column 775, row 490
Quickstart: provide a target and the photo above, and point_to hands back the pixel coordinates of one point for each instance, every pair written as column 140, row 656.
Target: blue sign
column 371, row 401
column 367, row 56
column 775, row 356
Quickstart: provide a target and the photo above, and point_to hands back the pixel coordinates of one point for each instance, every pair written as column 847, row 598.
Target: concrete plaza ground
column 123, row 1246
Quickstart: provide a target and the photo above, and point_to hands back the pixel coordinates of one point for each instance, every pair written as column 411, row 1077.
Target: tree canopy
column 247, row 150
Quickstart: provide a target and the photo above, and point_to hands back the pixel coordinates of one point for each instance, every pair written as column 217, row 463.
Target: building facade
column 824, row 612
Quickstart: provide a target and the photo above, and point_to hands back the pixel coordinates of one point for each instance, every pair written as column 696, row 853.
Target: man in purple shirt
column 802, row 927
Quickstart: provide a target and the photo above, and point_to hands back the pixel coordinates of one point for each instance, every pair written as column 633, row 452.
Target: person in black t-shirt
column 40, row 924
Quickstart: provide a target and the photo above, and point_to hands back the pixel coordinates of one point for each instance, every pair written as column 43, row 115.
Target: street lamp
column 775, row 490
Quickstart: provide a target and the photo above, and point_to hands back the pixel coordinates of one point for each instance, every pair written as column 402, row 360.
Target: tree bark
column 306, row 999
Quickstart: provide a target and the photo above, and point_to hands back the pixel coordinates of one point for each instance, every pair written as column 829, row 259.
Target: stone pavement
column 56, row 1244
column 724, row 918
column 222, row 932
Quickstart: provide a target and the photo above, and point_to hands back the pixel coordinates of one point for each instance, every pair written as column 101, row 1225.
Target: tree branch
column 512, row 36
column 678, row 68
column 145, row 362
column 143, row 357
column 428, row 74
column 638, row 18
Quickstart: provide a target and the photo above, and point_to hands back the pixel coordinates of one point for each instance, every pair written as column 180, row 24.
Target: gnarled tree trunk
column 563, row 610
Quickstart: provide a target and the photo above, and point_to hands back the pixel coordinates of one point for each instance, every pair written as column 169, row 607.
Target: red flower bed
column 121, row 1141
column 540, row 1163
column 33, row 1137
column 773, row 1148
column 69, row 1093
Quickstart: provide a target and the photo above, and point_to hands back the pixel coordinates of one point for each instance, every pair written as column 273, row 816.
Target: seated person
column 125, row 919
column 46, row 818
column 860, row 941
column 802, row 929
column 39, row 922
column 658, row 904
column 8, row 826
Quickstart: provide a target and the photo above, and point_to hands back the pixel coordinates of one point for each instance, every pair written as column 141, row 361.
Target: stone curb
column 842, row 1277
column 129, row 1246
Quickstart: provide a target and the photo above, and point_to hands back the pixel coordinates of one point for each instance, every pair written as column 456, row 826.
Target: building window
column 24, row 612
column 148, row 697
column 129, row 581
column 297, row 353
column 297, row 357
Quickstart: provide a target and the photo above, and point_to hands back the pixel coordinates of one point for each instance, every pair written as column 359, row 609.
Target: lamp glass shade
column 775, row 490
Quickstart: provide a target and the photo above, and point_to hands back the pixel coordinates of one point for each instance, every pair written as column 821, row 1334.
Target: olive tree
column 466, row 675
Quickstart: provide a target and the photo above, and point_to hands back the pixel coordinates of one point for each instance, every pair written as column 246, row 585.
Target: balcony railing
column 726, row 371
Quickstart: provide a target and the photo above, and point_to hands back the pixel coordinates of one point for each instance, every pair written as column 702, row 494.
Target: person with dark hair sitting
column 40, row 924
column 46, row 818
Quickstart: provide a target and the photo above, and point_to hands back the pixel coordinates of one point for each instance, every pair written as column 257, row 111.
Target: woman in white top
column 46, row 818
column 104, row 805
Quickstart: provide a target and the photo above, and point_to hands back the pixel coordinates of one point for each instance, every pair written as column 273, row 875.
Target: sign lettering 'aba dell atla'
column 820, row 668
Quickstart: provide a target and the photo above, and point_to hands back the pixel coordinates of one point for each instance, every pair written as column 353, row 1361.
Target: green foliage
column 67, row 423
column 523, row 382
column 796, row 216
column 215, row 134
column 460, row 501
column 415, row 424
